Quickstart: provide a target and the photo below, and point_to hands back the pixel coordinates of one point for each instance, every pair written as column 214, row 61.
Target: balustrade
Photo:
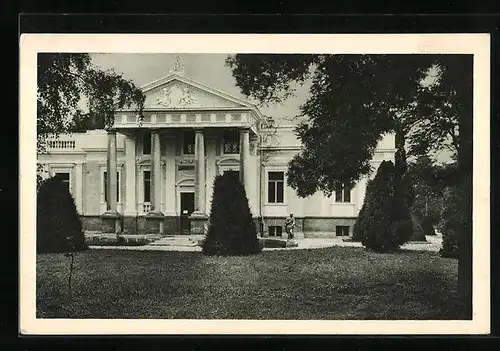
column 61, row 144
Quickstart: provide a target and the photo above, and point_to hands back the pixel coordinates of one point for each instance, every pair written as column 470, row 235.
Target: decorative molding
column 143, row 159
column 227, row 161
column 185, row 182
column 183, row 160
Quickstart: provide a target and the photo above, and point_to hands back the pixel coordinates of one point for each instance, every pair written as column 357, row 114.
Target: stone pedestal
column 198, row 223
column 154, row 223
column 111, row 222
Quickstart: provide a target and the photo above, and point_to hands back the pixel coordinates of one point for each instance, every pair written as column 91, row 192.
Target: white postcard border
column 459, row 43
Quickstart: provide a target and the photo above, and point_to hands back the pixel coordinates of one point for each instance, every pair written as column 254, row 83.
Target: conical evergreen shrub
column 231, row 230
column 428, row 225
column 418, row 231
column 384, row 222
column 58, row 226
column 361, row 220
column 405, row 192
column 454, row 216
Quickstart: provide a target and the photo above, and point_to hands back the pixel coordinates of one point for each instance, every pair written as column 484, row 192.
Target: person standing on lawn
column 289, row 225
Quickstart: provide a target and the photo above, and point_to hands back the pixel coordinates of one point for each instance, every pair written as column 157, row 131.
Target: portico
column 178, row 147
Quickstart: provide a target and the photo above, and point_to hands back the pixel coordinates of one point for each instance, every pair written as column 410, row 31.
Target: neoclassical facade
column 156, row 176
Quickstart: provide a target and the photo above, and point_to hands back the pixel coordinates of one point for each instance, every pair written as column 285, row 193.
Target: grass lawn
column 332, row 283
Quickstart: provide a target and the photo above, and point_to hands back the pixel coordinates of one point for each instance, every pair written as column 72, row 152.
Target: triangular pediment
column 177, row 92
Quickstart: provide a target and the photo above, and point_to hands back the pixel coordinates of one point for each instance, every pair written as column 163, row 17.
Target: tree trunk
column 406, row 185
column 465, row 154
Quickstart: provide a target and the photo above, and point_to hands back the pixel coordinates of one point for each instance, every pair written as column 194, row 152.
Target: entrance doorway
column 187, row 207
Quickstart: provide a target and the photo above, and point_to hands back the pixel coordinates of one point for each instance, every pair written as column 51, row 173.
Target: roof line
column 170, row 77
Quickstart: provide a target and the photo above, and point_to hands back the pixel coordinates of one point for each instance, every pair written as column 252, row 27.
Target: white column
column 111, row 170
column 252, row 177
column 170, row 175
column 130, row 204
column 79, row 187
column 244, row 158
column 156, row 170
column 200, row 172
column 211, row 170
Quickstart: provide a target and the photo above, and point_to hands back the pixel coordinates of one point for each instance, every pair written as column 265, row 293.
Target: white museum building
column 156, row 176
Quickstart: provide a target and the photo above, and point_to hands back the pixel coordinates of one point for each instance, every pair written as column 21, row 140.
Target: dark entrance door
column 187, row 207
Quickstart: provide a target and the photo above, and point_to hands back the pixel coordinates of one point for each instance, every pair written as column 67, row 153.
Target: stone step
column 175, row 241
column 188, row 244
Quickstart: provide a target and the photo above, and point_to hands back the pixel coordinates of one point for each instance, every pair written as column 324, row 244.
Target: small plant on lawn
column 231, row 231
column 71, row 255
column 59, row 229
column 384, row 222
column 359, row 225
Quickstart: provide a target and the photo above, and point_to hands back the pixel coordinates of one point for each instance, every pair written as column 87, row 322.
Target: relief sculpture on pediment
column 175, row 97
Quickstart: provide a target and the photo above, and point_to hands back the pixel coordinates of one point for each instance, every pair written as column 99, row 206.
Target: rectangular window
column 146, row 144
column 64, row 177
column 106, row 186
column 275, row 230
column 231, row 143
column 342, row 194
column 188, row 147
column 275, row 187
column 342, row 230
column 147, row 186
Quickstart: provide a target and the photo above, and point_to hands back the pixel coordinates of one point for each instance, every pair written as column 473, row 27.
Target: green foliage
column 384, row 222
column 418, row 233
column 231, row 231
column 441, row 107
column 58, row 225
column 427, row 224
column 269, row 77
column 352, row 97
column 454, row 219
column 361, row 224
column 429, row 181
column 65, row 80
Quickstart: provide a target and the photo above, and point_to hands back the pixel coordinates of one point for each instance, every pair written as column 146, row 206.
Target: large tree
column 446, row 109
column 354, row 101
column 75, row 95
column 352, row 97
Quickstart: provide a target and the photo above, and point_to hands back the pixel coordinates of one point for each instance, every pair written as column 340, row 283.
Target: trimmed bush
column 418, row 230
column 454, row 217
column 384, row 222
column 361, row 221
column 58, row 225
column 231, row 231
column 428, row 225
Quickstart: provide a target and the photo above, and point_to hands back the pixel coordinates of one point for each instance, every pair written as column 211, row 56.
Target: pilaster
column 79, row 187
column 211, row 169
column 130, row 169
column 170, row 191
